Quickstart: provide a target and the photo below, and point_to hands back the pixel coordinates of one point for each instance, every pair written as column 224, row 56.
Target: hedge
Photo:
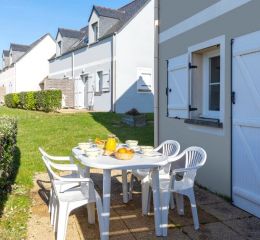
column 8, row 132
column 47, row 100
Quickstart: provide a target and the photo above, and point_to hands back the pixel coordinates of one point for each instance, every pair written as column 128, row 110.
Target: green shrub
column 47, row 100
column 22, row 98
column 30, row 101
column 12, row 100
column 8, row 132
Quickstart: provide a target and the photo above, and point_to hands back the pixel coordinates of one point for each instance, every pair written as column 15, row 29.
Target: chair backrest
column 195, row 157
column 169, row 148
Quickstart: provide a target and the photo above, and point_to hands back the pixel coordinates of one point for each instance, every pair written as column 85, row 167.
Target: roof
column 19, row 47
column 123, row 14
column 70, row 33
column 130, row 10
column 6, row 53
column 108, row 12
column 24, row 48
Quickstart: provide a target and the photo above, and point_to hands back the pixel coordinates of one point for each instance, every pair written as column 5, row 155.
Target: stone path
column 219, row 219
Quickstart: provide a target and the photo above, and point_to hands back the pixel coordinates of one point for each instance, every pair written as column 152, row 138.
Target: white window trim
column 213, row 42
column 97, row 23
column 206, row 112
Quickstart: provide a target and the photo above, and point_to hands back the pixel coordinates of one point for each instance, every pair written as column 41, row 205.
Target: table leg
column 156, row 201
column 106, row 203
column 87, row 172
column 125, row 186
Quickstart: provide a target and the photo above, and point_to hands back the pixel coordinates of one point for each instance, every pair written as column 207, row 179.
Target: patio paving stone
column 224, row 211
column 212, row 231
column 218, row 218
column 247, row 227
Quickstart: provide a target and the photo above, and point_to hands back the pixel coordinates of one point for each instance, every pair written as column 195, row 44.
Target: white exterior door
column 79, row 93
column 246, row 123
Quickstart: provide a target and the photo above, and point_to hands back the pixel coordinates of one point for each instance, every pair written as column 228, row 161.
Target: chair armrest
column 65, row 167
column 60, row 158
column 74, row 180
column 182, row 170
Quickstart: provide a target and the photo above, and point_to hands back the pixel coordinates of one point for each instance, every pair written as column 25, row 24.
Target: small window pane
column 214, row 97
column 214, row 84
column 214, row 69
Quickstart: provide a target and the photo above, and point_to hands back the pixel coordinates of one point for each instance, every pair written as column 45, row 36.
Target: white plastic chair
column 75, row 171
column 167, row 148
column 68, row 200
column 195, row 157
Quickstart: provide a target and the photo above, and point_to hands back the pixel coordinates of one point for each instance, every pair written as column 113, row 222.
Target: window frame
column 100, row 82
column 220, row 41
column 207, row 113
column 95, row 30
column 60, row 47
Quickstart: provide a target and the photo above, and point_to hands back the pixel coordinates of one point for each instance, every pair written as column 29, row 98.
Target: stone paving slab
column 218, row 218
column 247, row 227
column 224, row 211
column 212, row 231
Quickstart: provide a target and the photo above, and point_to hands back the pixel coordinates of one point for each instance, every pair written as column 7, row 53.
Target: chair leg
column 62, row 221
column 125, row 186
column 100, row 218
column 53, row 210
column 172, row 204
column 149, row 201
column 194, row 210
column 131, row 185
column 180, row 204
column 50, row 201
column 91, row 213
column 145, row 197
column 165, row 202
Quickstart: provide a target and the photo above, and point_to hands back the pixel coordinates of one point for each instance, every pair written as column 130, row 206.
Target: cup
column 132, row 143
column 146, row 150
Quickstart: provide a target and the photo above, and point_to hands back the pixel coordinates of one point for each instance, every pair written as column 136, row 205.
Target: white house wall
column 7, row 80
column 33, row 67
column 90, row 60
column 135, row 49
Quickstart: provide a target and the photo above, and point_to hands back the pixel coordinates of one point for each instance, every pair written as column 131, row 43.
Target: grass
column 57, row 133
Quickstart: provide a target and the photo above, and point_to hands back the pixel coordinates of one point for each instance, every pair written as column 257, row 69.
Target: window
column 95, row 31
column 144, row 80
column 59, row 48
column 99, row 82
column 211, row 82
column 195, row 87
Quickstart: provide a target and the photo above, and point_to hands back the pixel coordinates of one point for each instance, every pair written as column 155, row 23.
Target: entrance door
column 246, row 123
column 88, row 90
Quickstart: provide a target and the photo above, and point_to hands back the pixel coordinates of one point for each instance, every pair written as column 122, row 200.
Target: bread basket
column 124, row 156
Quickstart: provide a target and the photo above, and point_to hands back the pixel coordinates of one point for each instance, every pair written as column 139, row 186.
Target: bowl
column 146, row 149
column 132, row 143
column 84, row 146
column 93, row 152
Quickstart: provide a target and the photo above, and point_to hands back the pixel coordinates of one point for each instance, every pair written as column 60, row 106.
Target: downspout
column 156, row 72
column 231, row 118
column 113, row 73
column 73, row 75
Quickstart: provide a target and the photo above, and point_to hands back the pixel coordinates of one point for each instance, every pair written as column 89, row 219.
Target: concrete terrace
column 219, row 219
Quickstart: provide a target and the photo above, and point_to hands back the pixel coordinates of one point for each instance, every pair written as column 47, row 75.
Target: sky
column 24, row 21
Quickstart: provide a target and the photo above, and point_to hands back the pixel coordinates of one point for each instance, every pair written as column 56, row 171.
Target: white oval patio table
column 108, row 163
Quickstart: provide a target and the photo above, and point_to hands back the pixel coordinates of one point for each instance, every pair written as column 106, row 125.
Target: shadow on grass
column 8, row 188
column 112, row 122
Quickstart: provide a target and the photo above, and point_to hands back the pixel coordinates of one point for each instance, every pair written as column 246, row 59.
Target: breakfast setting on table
column 112, row 147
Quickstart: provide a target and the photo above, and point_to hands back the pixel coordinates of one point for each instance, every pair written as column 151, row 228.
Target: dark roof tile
column 19, row 47
column 70, row 33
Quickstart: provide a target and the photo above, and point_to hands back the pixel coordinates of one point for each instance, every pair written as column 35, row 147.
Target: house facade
column 209, row 90
column 24, row 67
column 111, row 63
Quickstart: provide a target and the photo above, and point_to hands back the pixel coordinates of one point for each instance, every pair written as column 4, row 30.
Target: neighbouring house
column 111, row 60
column 25, row 66
column 208, row 90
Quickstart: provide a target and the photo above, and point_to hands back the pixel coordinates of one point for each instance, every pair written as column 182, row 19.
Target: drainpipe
column 113, row 73
column 73, row 75
column 156, row 72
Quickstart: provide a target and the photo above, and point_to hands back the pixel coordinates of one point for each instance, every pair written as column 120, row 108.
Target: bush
column 8, row 132
column 47, row 100
column 12, row 100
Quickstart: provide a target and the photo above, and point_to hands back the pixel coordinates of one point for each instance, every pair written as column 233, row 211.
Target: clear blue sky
column 23, row 21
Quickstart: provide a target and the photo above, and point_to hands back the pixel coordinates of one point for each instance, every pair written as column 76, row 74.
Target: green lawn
column 56, row 133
